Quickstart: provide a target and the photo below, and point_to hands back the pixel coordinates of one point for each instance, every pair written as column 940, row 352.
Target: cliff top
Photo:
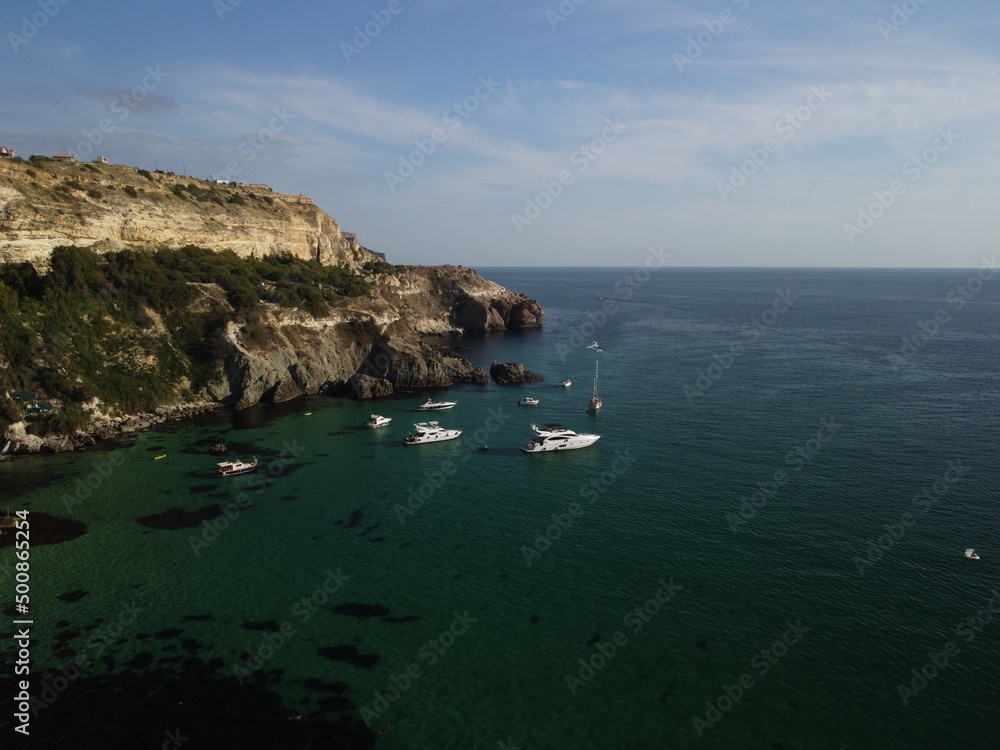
column 44, row 204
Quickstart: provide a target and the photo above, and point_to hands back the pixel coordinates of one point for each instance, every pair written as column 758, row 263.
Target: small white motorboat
column 528, row 401
column 232, row 468
column 377, row 420
column 567, row 383
column 971, row 554
column 432, row 405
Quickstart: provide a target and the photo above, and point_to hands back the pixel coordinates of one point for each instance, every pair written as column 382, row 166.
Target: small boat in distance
column 430, row 432
column 595, row 402
column 592, row 345
column 555, row 437
column 232, row 468
column 567, row 383
column 378, row 420
column 528, row 401
column 157, row 458
column 971, row 554
column 431, row 405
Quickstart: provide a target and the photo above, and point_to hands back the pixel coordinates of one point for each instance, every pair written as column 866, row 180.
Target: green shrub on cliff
column 119, row 326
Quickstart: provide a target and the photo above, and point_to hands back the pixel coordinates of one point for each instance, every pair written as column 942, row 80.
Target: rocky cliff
column 44, row 204
column 361, row 345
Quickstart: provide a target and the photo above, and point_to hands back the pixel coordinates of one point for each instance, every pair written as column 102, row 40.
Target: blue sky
column 581, row 132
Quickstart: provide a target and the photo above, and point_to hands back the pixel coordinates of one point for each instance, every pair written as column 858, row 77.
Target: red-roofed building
column 6, row 153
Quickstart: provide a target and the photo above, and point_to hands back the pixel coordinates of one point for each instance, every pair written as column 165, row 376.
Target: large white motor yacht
column 430, row 432
column 555, row 437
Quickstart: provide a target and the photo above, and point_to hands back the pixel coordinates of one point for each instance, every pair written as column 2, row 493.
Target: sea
column 765, row 548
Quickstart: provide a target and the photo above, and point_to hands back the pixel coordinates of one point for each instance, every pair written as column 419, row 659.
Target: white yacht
column 431, row 405
column 528, row 401
column 596, row 402
column 232, row 468
column 567, row 383
column 377, row 420
column 555, row 437
column 430, row 432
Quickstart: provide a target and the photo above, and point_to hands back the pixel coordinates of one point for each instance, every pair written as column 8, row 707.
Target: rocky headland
column 369, row 344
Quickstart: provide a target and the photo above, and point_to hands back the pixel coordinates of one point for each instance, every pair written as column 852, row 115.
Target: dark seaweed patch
column 169, row 633
column 370, row 529
column 178, row 518
column 67, row 635
column 140, row 661
column 191, row 645
column 318, row 685
column 62, row 624
column 360, row 610
column 198, row 488
column 596, row 639
column 534, row 619
column 270, row 625
column 73, row 596
column 702, row 644
column 196, row 618
column 336, row 704
column 211, row 708
column 349, row 654
column 355, row 519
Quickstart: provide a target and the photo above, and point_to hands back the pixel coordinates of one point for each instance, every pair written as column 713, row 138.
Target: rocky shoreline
column 359, row 387
column 104, row 429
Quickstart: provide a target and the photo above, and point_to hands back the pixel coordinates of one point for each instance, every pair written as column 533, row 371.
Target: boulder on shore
column 365, row 387
column 504, row 373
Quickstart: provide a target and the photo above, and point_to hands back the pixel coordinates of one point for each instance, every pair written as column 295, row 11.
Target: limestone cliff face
column 47, row 204
column 472, row 302
column 359, row 353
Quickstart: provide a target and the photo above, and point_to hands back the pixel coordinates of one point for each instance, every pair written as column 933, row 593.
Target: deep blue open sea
column 763, row 550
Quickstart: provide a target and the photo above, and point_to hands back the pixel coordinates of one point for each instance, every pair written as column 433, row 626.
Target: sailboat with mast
column 595, row 402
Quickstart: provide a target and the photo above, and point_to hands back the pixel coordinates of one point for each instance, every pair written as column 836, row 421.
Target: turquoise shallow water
column 656, row 502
